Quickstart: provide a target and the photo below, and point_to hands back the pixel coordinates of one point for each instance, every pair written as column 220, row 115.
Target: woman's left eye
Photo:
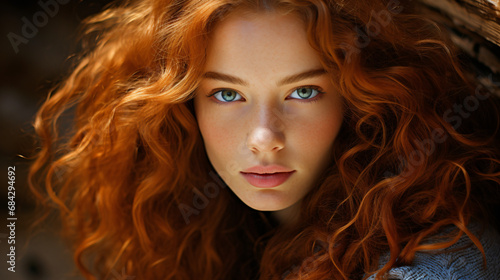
column 305, row 93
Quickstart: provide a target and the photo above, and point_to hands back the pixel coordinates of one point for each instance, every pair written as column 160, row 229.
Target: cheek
column 217, row 138
column 222, row 146
column 320, row 130
column 317, row 124
column 326, row 129
column 218, row 135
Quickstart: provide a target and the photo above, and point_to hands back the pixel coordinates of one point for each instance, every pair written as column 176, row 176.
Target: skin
column 267, row 122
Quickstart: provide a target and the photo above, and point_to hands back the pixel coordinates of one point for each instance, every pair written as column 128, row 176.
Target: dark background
column 26, row 76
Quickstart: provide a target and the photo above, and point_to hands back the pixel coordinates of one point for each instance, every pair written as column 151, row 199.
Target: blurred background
column 37, row 40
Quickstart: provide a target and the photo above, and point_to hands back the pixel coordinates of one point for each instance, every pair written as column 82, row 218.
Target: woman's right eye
column 227, row 95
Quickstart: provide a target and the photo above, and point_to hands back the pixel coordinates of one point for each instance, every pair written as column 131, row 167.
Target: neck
column 289, row 215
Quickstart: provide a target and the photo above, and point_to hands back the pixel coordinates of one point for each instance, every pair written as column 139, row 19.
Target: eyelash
column 314, row 99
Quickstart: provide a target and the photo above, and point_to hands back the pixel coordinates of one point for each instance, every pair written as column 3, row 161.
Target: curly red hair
column 406, row 165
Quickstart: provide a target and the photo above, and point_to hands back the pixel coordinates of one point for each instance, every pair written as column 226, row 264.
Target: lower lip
column 267, row 180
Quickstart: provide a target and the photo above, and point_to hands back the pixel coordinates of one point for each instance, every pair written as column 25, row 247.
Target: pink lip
column 267, row 176
column 260, row 169
column 267, row 180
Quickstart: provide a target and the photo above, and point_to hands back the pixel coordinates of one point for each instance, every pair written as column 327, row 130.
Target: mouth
column 267, row 180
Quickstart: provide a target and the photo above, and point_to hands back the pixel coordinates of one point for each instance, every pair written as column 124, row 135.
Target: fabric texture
column 461, row 261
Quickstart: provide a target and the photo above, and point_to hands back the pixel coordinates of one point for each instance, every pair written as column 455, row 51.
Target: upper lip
column 268, row 169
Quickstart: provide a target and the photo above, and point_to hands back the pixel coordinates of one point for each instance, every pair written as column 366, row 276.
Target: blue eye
column 305, row 93
column 227, row 95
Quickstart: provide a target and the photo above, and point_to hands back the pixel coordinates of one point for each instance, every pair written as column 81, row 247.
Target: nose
column 267, row 134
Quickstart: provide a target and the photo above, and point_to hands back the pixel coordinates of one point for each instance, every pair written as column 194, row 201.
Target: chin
column 266, row 207
column 269, row 202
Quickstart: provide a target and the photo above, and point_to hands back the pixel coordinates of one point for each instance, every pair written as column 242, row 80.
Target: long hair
column 136, row 190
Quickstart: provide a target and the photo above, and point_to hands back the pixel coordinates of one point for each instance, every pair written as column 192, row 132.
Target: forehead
column 265, row 41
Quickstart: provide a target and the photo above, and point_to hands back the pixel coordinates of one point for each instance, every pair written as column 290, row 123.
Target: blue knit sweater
column 464, row 263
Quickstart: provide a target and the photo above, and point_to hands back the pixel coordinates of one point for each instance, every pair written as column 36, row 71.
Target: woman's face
column 267, row 111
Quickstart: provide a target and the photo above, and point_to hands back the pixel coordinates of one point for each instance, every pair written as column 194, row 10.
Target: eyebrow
column 302, row 76
column 224, row 77
column 287, row 80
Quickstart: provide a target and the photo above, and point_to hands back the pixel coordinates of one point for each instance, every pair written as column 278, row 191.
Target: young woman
column 272, row 139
